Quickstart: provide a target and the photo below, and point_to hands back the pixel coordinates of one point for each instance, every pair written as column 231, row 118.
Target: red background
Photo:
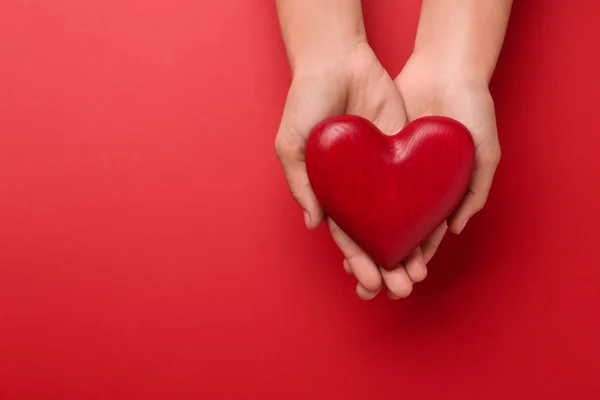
column 149, row 247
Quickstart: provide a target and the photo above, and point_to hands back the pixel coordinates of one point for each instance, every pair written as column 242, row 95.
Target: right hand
column 357, row 84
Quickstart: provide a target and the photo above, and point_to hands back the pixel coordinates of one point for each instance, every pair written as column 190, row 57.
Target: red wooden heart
column 389, row 193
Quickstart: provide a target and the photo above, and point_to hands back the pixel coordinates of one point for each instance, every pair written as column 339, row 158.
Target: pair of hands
column 356, row 83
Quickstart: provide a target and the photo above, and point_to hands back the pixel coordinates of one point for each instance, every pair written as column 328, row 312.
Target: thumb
column 486, row 162
column 290, row 151
column 383, row 106
column 309, row 101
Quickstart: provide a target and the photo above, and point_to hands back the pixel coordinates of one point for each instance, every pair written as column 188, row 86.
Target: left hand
column 429, row 90
column 426, row 89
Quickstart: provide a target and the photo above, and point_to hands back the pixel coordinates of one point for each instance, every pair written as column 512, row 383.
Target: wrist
column 463, row 40
column 326, row 56
column 453, row 71
column 319, row 34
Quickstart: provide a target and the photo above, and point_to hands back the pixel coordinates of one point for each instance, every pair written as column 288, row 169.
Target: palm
column 423, row 95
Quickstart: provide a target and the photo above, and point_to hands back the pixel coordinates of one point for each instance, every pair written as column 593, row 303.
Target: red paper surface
column 149, row 247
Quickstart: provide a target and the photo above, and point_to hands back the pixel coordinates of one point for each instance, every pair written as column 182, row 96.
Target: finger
column 365, row 294
column 415, row 266
column 397, row 281
column 362, row 267
column 360, row 289
column 347, row 267
column 432, row 243
column 382, row 105
column 290, row 151
column 477, row 194
column 308, row 102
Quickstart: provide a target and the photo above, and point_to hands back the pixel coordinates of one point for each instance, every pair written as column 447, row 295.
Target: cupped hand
column 429, row 88
column 353, row 84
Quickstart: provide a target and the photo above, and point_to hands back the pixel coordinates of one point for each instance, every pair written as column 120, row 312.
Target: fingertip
column 476, row 196
column 391, row 295
column 460, row 216
column 359, row 263
column 430, row 246
column 458, row 223
column 347, row 267
column 313, row 219
column 419, row 276
column 302, row 193
column 365, row 294
column 416, row 267
column 366, row 272
column 397, row 281
column 462, row 225
column 306, row 218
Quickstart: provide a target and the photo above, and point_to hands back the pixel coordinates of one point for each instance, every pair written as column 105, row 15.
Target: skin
column 335, row 71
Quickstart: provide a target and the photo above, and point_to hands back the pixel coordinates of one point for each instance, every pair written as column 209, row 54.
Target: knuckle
column 287, row 149
column 280, row 147
column 295, row 193
column 492, row 156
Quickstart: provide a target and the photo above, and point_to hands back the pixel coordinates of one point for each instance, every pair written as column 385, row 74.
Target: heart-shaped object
column 389, row 193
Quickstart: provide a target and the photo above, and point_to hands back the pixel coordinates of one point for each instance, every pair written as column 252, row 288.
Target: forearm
column 316, row 32
column 463, row 36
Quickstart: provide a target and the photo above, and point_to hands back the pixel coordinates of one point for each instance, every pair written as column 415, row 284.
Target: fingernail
column 306, row 218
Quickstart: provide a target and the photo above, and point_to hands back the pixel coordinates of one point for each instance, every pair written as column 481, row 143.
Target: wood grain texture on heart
column 389, row 192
